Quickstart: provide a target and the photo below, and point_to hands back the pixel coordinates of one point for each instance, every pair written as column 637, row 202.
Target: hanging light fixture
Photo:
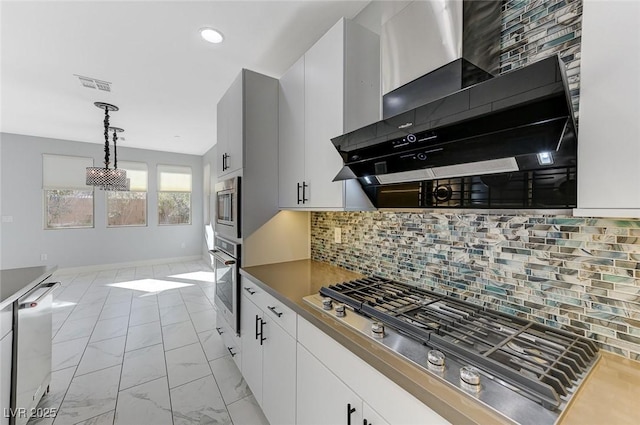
column 127, row 183
column 104, row 177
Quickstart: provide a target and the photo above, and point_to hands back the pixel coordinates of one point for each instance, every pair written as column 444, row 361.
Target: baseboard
column 101, row 267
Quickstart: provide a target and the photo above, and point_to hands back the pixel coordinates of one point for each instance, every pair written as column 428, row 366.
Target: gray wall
column 24, row 240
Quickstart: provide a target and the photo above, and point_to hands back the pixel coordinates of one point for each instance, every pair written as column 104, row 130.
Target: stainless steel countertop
column 14, row 283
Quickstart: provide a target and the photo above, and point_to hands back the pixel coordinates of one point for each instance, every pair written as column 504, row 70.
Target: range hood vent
column 516, row 123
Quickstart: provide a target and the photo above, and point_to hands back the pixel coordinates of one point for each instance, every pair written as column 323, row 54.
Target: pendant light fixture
column 120, row 187
column 104, row 177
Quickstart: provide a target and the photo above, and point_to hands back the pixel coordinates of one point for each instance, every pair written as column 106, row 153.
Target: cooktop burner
column 465, row 344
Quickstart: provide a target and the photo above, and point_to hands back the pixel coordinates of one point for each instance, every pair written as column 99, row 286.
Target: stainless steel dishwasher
column 31, row 350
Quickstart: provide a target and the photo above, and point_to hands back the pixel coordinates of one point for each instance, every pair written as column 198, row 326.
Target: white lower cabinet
column 6, row 343
column 393, row 404
column 371, row 417
column 269, row 357
column 250, row 323
column 322, row 397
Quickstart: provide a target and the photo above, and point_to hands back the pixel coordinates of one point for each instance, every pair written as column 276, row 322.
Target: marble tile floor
column 137, row 346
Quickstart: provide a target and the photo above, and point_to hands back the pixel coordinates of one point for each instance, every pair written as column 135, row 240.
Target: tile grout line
column 166, row 365
column 83, row 351
column 205, row 355
column 124, row 350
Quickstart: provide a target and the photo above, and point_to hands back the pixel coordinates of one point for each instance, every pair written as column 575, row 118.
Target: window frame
column 49, row 187
column 159, row 192
column 146, row 200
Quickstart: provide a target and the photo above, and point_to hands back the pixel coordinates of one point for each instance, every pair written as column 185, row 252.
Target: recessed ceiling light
column 211, row 35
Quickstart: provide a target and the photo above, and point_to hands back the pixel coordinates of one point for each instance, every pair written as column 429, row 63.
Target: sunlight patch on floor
column 150, row 285
column 201, row 276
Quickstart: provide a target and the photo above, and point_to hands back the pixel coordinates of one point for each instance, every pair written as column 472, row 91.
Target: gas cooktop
column 512, row 365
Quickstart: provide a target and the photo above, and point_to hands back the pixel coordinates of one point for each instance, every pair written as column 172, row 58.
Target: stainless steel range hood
column 458, row 120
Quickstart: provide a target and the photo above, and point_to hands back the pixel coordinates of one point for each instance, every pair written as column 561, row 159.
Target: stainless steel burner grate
column 542, row 362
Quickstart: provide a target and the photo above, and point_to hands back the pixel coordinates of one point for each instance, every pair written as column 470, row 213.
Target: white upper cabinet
column 609, row 127
column 291, row 136
column 230, row 129
column 333, row 89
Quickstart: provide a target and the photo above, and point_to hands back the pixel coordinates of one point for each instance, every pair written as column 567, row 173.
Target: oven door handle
column 225, row 259
column 50, row 286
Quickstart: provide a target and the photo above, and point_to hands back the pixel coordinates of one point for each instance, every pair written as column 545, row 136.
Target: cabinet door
column 6, row 344
column 324, row 111
column 278, row 375
column 608, row 148
column 371, row 416
column 235, row 102
column 291, row 135
column 322, row 397
column 250, row 315
column 223, row 135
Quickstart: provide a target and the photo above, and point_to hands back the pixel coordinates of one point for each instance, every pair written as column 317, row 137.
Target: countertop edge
column 44, row 276
column 342, row 335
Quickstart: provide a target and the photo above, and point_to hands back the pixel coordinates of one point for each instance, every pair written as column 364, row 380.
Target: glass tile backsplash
column 579, row 274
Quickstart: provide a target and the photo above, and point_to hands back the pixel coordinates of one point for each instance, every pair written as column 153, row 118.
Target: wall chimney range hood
column 491, row 142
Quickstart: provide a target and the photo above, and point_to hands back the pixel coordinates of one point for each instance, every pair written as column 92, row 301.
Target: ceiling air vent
column 93, row 83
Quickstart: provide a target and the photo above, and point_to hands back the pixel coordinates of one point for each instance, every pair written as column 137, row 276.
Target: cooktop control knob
column 327, row 303
column 377, row 330
column 340, row 310
column 435, row 358
column 470, row 375
column 411, row 138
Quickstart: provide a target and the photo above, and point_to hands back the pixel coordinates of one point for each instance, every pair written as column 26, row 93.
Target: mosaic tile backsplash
column 579, row 274
column 535, row 29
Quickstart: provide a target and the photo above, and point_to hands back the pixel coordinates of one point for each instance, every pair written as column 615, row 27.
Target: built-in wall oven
column 226, row 262
column 228, row 208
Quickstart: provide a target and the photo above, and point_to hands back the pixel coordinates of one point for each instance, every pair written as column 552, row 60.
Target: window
column 129, row 208
column 68, row 202
column 174, row 194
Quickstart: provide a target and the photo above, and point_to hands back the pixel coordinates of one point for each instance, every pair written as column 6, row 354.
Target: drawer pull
column 273, row 310
column 231, row 352
column 246, row 288
column 219, row 331
column 350, row 410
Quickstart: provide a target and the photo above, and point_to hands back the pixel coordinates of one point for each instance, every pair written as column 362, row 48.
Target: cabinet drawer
column 279, row 313
column 272, row 308
column 230, row 339
column 252, row 291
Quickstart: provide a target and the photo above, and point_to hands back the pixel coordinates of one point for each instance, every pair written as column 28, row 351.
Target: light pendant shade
column 104, row 177
column 107, row 178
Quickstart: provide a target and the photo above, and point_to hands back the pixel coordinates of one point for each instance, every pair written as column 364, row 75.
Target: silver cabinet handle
column 273, row 310
column 32, row 304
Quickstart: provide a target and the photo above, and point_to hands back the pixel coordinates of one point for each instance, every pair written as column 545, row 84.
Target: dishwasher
column 31, row 350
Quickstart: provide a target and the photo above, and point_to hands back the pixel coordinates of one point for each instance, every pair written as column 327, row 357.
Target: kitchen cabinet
column 230, row 129
column 392, row 404
column 5, row 374
column 322, row 397
column 230, row 339
column 251, row 323
column 609, row 129
column 247, row 146
column 333, row 89
column 269, row 353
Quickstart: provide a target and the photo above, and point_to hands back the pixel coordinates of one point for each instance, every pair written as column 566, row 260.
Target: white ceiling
column 165, row 79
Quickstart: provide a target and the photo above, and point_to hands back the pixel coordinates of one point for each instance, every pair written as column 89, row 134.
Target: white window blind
column 65, row 172
column 137, row 174
column 174, row 178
